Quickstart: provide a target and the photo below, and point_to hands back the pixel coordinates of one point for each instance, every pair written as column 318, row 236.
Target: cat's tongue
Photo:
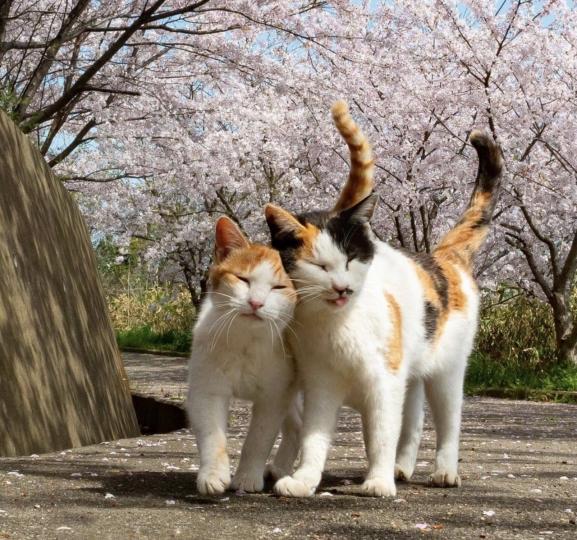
column 341, row 301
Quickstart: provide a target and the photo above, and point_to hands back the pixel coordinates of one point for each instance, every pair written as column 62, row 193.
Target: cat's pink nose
column 255, row 304
column 340, row 289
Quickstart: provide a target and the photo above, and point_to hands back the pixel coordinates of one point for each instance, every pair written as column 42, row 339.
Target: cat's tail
column 360, row 183
column 466, row 237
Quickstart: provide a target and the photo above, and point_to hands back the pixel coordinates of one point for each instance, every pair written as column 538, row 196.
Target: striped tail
column 467, row 236
column 360, row 183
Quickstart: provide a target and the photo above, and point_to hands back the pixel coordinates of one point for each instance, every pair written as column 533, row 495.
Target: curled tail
column 466, row 237
column 360, row 183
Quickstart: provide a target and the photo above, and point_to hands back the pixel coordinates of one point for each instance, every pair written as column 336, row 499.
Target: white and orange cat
column 238, row 351
column 376, row 324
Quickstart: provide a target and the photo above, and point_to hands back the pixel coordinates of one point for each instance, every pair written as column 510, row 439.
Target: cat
column 238, row 351
column 378, row 324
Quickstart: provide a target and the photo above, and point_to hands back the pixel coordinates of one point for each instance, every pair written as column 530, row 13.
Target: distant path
column 519, row 469
column 159, row 376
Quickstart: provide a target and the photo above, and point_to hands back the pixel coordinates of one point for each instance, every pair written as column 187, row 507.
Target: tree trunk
column 565, row 329
column 568, row 353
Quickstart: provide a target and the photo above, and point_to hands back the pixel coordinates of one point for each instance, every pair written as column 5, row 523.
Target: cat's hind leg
column 411, row 430
column 208, row 415
column 445, row 396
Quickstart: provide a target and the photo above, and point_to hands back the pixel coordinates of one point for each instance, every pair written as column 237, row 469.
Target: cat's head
column 249, row 279
column 327, row 254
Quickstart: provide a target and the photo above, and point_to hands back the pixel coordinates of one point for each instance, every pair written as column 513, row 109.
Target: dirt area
column 519, row 471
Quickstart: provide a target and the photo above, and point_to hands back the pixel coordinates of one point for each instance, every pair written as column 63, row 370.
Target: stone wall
column 62, row 382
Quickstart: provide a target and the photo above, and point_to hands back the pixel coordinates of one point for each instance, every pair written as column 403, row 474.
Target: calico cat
column 376, row 323
column 238, row 351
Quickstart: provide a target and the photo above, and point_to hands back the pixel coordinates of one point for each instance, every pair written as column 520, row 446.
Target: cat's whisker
column 221, row 327
column 271, row 333
column 230, row 324
column 292, row 331
column 229, row 296
column 217, row 320
column 279, row 337
column 309, row 299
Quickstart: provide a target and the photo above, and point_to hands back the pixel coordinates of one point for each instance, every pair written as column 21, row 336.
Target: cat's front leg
column 288, row 450
column 321, row 408
column 208, row 417
column 381, row 428
column 267, row 415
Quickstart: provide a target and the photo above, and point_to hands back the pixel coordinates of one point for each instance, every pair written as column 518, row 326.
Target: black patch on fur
column 431, row 317
column 350, row 235
column 286, row 243
column 430, row 265
column 485, row 219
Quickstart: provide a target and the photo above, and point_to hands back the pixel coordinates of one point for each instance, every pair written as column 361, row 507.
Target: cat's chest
column 248, row 368
column 345, row 342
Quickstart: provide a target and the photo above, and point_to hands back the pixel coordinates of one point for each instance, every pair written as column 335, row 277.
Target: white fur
column 341, row 353
column 235, row 355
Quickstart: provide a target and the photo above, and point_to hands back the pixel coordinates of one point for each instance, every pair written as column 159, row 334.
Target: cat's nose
column 255, row 304
column 340, row 290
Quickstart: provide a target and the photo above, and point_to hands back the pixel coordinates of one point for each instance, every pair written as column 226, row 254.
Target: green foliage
column 144, row 337
column 8, row 101
column 516, row 347
column 486, row 372
column 145, row 312
column 161, row 308
column 516, row 330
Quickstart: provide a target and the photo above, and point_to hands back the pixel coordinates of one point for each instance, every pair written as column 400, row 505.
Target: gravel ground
column 519, row 471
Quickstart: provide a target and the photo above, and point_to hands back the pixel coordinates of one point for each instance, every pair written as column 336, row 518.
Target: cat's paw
column 275, row 472
column 402, row 474
column 289, row 487
column 444, row 478
column 247, row 481
column 379, row 487
column 213, row 481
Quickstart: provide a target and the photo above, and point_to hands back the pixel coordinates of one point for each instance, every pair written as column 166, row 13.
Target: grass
column 515, row 350
column 485, row 372
column 146, row 338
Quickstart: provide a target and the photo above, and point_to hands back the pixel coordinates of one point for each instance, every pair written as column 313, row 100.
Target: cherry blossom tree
column 211, row 108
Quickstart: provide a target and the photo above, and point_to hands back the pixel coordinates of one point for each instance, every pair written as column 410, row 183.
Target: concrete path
column 519, row 469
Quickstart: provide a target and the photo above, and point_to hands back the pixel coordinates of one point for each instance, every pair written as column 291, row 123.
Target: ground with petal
column 519, row 472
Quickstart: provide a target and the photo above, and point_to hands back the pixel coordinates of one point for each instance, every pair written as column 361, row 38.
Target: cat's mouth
column 254, row 316
column 339, row 302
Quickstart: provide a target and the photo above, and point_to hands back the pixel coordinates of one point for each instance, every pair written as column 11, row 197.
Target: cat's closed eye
column 278, row 287
column 321, row 266
column 246, row 280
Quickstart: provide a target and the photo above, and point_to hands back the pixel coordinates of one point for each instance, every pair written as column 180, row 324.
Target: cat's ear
column 228, row 238
column 363, row 211
column 281, row 223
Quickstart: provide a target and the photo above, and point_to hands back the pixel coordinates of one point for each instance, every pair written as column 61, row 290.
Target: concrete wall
column 62, row 382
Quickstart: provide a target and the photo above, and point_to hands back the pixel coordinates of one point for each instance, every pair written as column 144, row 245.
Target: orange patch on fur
column 360, row 183
column 395, row 344
column 463, row 241
column 428, row 284
column 308, row 235
column 456, row 299
column 243, row 261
